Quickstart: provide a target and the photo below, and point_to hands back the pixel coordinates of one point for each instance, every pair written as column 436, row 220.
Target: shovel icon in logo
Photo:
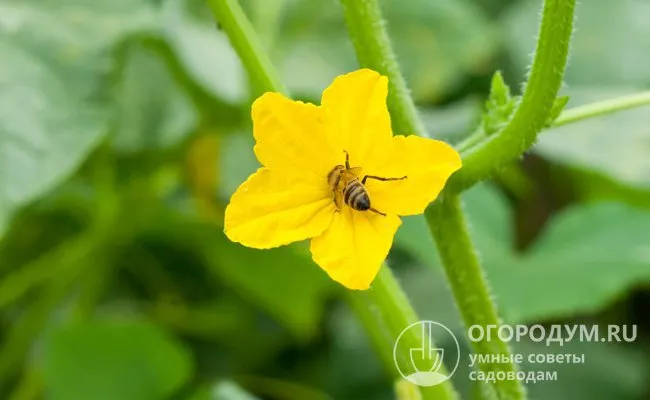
column 427, row 354
column 426, row 360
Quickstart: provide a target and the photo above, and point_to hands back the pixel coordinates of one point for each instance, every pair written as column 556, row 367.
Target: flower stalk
column 386, row 312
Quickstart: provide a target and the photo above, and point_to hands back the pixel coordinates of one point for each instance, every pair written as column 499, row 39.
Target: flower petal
column 356, row 115
column 273, row 208
column 291, row 135
column 354, row 246
column 426, row 163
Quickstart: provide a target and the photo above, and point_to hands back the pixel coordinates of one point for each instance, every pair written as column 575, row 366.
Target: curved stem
column 469, row 286
column 384, row 311
column 247, row 44
column 604, row 107
column 575, row 114
column 446, row 220
column 532, row 112
column 373, row 48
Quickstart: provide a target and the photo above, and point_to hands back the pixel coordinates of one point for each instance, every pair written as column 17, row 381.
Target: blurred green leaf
column 613, row 371
column 204, row 50
column 454, row 121
column 611, row 42
column 76, row 36
column 152, row 110
column 616, row 145
column 574, row 252
column 230, row 391
column 126, row 360
column 45, row 130
column 437, row 42
column 225, row 390
column 282, row 281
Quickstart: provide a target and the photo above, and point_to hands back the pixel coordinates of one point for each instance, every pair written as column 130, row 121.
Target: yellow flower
column 300, row 144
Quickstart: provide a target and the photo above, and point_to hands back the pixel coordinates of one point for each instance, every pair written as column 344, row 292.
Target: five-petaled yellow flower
column 305, row 189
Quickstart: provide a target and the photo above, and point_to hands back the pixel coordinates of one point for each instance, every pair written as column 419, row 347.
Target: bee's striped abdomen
column 355, row 195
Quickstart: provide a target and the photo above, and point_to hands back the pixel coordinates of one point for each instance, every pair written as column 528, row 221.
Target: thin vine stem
column 576, row 114
column 384, row 310
column 533, row 110
column 247, row 44
column 603, row 107
column 469, row 286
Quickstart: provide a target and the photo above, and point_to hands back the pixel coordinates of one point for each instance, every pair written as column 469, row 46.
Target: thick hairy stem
column 470, row 287
column 533, row 110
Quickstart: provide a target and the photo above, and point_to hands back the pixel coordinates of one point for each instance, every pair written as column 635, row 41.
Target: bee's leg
column 337, row 202
column 377, row 212
column 379, row 178
column 347, row 159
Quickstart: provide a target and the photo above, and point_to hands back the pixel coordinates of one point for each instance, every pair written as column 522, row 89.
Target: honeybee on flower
column 335, row 174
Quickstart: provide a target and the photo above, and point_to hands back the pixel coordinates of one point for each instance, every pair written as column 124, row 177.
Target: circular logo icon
column 418, row 360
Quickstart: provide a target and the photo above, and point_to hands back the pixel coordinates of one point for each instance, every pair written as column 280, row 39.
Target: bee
column 344, row 181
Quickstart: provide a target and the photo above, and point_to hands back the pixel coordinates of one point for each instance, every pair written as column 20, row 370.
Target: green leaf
column 598, row 57
column 613, row 372
column 587, row 257
column 437, row 41
column 499, row 91
column 76, row 36
column 45, row 130
column 126, row 360
column 152, row 110
column 224, row 390
column 204, row 51
column 614, row 146
column 499, row 106
column 284, row 282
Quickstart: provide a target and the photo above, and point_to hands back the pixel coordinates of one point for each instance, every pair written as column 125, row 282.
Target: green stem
column 469, row 286
column 373, row 48
column 603, row 108
column 391, row 312
column 575, row 114
column 22, row 334
column 446, row 219
column 385, row 312
column 532, row 113
column 247, row 44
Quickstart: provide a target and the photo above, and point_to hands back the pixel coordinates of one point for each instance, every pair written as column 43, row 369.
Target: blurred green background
column 124, row 128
